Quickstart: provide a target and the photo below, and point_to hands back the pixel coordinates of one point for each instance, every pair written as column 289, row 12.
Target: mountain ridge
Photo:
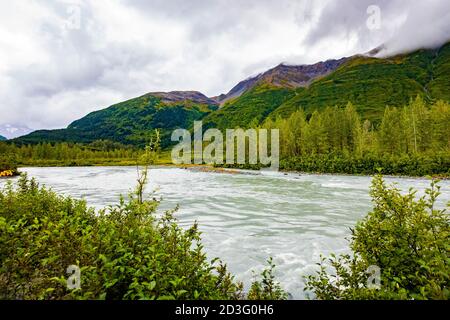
column 283, row 75
column 370, row 83
column 180, row 96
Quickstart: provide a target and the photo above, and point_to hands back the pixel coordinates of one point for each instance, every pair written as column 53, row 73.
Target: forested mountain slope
column 369, row 83
column 132, row 121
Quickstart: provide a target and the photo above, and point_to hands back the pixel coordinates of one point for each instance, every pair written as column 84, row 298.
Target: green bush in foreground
column 124, row 251
column 408, row 239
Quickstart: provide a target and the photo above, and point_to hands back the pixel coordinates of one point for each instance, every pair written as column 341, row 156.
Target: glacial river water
column 245, row 218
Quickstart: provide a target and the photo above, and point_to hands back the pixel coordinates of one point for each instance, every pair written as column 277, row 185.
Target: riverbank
column 9, row 173
column 164, row 159
column 294, row 172
column 201, row 168
column 436, row 164
column 436, row 167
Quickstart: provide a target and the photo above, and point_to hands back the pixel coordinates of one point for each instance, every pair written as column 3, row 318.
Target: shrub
column 435, row 164
column 408, row 239
column 267, row 288
column 8, row 164
column 124, row 251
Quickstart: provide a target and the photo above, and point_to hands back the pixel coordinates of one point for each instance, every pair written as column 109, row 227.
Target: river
column 245, row 218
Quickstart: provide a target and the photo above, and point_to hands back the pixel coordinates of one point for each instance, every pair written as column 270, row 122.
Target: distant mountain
column 2, row 138
column 11, row 131
column 368, row 82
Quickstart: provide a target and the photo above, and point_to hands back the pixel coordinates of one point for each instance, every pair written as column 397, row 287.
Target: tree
column 392, row 138
column 315, row 135
column 352, row 128
column 440, row 119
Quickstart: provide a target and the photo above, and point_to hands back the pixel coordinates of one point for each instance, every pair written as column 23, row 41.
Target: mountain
column 2, row 138
column 370, row 83
column 131, row 121
column 284, row 76
column 373, row 83
column 11, row 131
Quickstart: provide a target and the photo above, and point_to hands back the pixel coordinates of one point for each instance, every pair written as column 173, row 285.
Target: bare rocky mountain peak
column 180, row 96
column 284, row 75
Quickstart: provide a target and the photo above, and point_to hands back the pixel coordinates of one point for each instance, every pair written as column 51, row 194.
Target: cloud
column 427, row 26
column 403, row 25
column 63, row 59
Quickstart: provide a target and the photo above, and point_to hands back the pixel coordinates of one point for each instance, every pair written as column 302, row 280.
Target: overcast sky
column 62, row 59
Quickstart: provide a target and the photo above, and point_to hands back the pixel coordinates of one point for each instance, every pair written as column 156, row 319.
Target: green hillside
column 439, row 86
column 249, row 109
column 128, row 122
column 371, row 84
column 2, row 138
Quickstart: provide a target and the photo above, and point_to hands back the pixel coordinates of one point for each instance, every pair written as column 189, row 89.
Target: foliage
column 8, row 164
column 124, row 251
column 406, row 237
column 267, row 288
column 413, row 140
column 248, row 110
column 438, row 86
column 437, row 164
column 99, row 151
